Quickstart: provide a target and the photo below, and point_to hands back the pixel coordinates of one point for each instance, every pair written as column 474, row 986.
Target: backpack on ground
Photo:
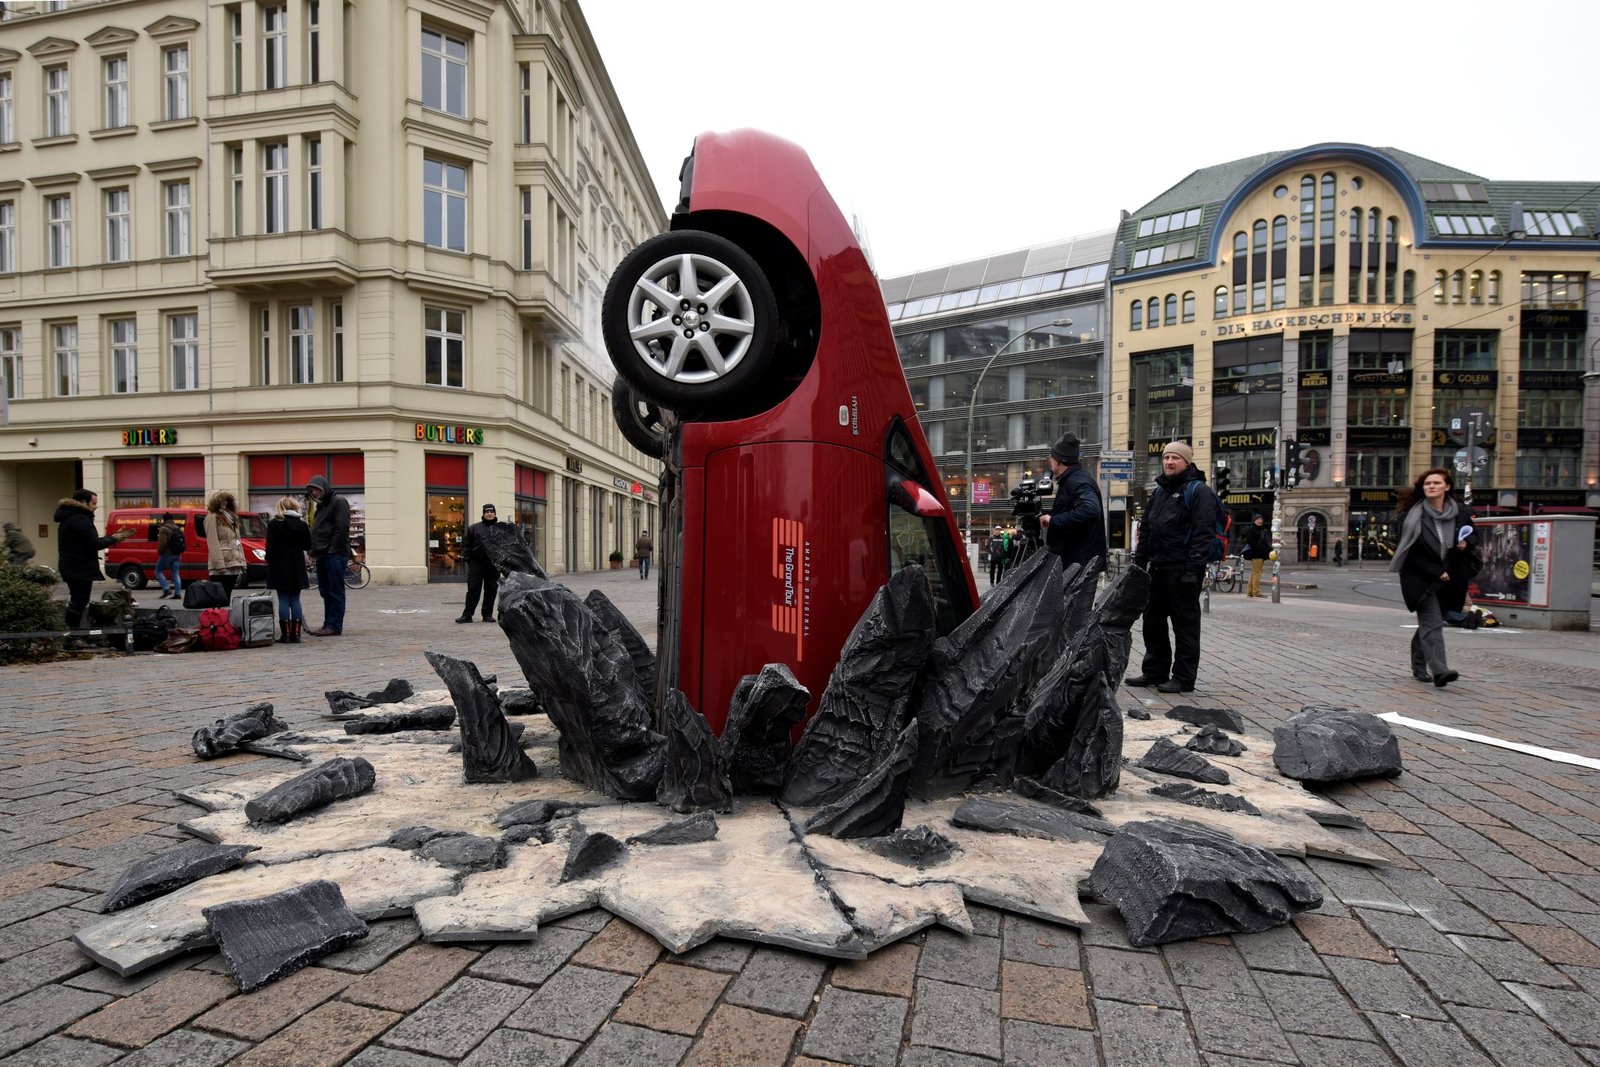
column 152, row 629
column 204, row 593
column 217, row 631
column 1219, row 541
column 176, row 542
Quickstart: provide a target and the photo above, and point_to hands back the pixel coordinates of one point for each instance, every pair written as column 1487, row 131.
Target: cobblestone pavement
column 1481, row 943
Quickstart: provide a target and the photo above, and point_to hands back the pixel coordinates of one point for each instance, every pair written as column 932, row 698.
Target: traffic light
column 1291, row 463
column 1223, row 478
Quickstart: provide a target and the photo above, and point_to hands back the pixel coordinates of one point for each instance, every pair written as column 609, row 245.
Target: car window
column 923, row 540
column 252, row 526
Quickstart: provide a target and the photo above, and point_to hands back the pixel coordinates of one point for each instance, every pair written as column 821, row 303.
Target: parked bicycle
column 1225, row 574
column 356, row 574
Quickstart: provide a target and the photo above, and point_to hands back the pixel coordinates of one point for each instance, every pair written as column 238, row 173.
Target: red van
column 133, row 562
column 756, row 359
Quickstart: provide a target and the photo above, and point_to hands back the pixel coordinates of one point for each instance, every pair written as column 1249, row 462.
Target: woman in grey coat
column 1435, row 534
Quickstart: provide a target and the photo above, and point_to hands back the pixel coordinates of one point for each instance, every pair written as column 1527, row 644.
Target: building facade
column 244, row 243
column 1042, row 311
column 1388, row 312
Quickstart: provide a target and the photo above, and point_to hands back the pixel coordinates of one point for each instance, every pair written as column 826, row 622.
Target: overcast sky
column 956, row 130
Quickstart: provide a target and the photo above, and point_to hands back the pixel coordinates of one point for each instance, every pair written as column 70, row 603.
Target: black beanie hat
column 1065, row 450
column 491, row 507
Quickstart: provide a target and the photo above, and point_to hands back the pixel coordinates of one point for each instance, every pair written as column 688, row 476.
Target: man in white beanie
column 1175, row 536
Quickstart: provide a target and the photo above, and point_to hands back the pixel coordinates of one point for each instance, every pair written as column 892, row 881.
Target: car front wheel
column 132, row 577
column 690, row 319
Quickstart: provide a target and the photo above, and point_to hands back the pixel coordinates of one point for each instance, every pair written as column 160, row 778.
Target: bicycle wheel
column 357, row 576
column 1228, row 577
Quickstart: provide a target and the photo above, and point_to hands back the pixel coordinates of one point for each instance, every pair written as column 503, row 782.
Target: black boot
column 296, row 625
column 286, row 627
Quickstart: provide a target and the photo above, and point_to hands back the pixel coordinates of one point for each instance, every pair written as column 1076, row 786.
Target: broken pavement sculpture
column 226, row 735
column 489, row 748
column 695, row 777
column 337, row 779
column 440, row 717
column 165, row 871
column 639, row 654
column 876, row 803
column 1328, row 744
column 343, row 702
column 272, row 937
column 1213, row 742
column 1165, row 757
column 756, row 743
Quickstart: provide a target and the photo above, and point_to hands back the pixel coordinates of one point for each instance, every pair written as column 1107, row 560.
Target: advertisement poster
column 1516, row 563
column 980, row 491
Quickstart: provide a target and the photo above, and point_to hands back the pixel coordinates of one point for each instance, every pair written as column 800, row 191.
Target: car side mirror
column 911, row 497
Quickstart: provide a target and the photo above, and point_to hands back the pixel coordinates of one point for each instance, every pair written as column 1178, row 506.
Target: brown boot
column 286, row 628
column 294, row 633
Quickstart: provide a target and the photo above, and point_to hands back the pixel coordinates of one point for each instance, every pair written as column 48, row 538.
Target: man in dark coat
column 1175, row 536
column 482, row 576
column 1257, row 546
column 330, row 548
column 79, row 546
column 1075, row 529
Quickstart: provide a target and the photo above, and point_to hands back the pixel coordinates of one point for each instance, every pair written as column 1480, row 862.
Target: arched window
column 1372, row 226
column 1327, row 216
column 1356, row 215
column 1409, row 291
column 1241, row 244
column 1152, row 312
column 1188, row 307
column 1258, row 236
column 1494, row 287
column 1475, row 288
column 1439, row 280
column 1308, row 209
column 1457, row 283
column 1170, row 318
column 1391, row 229
column 1136, row 315
column 1280, row 233
column 1219, row 307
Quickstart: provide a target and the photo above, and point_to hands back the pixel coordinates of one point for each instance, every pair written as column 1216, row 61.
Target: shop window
column 134, row 483
column 185, row 481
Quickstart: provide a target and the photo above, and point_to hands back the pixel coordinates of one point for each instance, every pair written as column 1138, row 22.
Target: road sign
column 1480, row 460
column 1477, row 419
column 1117, row 455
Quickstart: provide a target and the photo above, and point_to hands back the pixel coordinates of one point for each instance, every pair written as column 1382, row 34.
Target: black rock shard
column 1320, row 743
column 489, row 748
column 518, row 729
column 520, row 701
column 1204, row 798
column 1165, row 757
column 538, row 812
column 271, row 937
column 589, row 853
column 1177, row 880
column 701, row 826
column 465, row 852
column 511, row 554
column 438, row 717
column 410, row 837
column 917, row 846
column 337, row 779
column 695, row 777
column 1222, row 718
column 756, row 743
column 971, row 696
column 865, row 705
column 226, row 735
column 1136, row 712
column 587, row 684
column 1035, row 790
column 1029, row 820
column 1072, row 733
column 877, row 803
column 522, row 834
column 176, row 867
column 639, row 654
column 1213, row 742
column 343, row 702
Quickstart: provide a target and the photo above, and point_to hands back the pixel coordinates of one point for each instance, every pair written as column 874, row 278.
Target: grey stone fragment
column 1329, row 744
column 877, row 802
column 756, row 742
column 438, row 717
column 489, row 749
column 1222, row 718
column 1136, row 712
column 465, row 852
column 1213, row 742
column 172, row 869
column 694, row 777
column 1177, row 880
column 226, row 735
column 1165, row 757
column 865, row 705
column 1035, row 790
column 918, row 846
column 643, row 660
column 343, row 702
column 271, row 937
column 337, row 779
column 590, row 853
column 1204, row 798
column 538, row 812
column 701, row 826
column 588, row 686
column 1029, row 820
column 518, row 730
column 522, row 834
column 520, row 701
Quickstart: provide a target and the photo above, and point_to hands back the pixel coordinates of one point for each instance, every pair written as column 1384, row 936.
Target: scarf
column 1411, row 529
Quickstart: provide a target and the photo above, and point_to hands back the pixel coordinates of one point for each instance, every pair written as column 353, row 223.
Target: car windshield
column 251, row 526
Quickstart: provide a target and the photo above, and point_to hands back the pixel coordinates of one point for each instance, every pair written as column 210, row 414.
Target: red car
column 755, row 357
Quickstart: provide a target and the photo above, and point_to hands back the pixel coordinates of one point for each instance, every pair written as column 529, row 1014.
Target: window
column 275, row 188
column 1170, row 310
column 183, row 333
column 1408, row 292
column 314, row 183
column 1457, row 284
column 8, row 236
column 336, row 315
column 11, row 361
column 64, row 350
column 177, row 210
column 302, row 345
column 236, row 188
column 1219, row 302
column 525, row 127
column 313, row 41
column 124, row 356
column 118, row 231
column 1494, row 287
column 444, row 73
column 57, row 102
column 1465, row 349
column 264, row 344
column 175, row 95
column 444, row 205
column 116, row 79
column 235, row 49
column 1316, row 351
column 1152, row 312
column 1136, row 315
column 8, row 124
column 1555, row 224
column 58, row 210
column 527, row 229
column 444, row 347
column 274, row 47
column 1545, row 291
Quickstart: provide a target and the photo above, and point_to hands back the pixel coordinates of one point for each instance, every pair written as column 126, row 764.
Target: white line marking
column 1484, row 739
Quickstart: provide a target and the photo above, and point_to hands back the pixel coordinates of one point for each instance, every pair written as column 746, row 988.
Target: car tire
column 639, row 420
column 732, row 316
column 132, row 577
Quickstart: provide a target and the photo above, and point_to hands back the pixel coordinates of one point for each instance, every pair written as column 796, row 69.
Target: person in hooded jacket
column 1075, row 528
column 483, row 577
column 288, row 544
column 1433, row 562
column 79, row 544
column 1175, row 537
column 330, row 549
column 224, row 551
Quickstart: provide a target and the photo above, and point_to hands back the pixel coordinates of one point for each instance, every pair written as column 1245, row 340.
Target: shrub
column 616, row 555
column 38, row 572
column 26, row 607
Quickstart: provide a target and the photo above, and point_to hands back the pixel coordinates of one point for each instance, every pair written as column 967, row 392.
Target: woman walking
column 224, row 553
column 1432, row 563
column 288, row 542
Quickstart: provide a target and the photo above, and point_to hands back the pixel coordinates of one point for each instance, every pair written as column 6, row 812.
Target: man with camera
column 1175, row 537
column 1075, row 529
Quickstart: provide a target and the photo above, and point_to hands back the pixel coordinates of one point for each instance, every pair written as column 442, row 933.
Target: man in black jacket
column 1257, row 546
column 330, row 548
column 1075, row 529
column 482, row 577
column 1175, row 536
column 78, row 545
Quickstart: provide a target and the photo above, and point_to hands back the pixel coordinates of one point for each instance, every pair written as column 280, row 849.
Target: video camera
column 1026, row 504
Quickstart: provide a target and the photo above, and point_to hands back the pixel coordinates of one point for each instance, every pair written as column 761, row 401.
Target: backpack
column 217, row 631
column 176, row 542
column 1219, row 541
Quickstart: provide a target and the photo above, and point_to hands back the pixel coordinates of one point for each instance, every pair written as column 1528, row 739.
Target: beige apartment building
column 242, row 244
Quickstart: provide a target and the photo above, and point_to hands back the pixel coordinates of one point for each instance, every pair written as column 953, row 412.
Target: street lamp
column 973, row 402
